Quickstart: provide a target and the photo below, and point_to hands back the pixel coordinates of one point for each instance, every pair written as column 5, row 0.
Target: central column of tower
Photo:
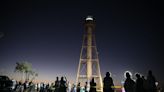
column 89, row 52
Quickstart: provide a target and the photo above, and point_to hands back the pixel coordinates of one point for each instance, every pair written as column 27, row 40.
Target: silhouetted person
column 25, row 85
column 52, row 86
column 78, row 87
column 144, row 84
column 47, row 88
column 62, row 85
column 37, row 87
column 57, row 84
column 139, row 84
column 16, row 86
column 129, row 83
column 92, row 86
column 31, row 87
column 20, row 87
column 42, row 87
column 108, row 83
column 74, row 88
column 151, row 82
column 86, row 87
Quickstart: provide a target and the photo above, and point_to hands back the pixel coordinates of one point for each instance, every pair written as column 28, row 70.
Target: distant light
column 156, row 83
column 123, row 89
column 117, row 87
column 89, row 18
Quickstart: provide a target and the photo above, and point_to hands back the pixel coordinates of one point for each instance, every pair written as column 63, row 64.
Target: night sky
column 48, row 34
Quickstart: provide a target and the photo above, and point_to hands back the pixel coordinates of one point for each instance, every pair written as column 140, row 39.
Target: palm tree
column 28, row 69
column 24, row 68
column 20, row 68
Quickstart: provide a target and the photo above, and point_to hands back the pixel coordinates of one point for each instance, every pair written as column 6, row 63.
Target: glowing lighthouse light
column 89, row 18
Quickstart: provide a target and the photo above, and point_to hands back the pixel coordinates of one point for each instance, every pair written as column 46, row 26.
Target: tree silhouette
column 26, row 69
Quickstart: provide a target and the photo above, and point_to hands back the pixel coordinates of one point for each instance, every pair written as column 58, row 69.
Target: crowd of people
column 141, row 84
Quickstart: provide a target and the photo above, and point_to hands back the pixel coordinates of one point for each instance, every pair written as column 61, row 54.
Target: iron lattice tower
column 89, row 62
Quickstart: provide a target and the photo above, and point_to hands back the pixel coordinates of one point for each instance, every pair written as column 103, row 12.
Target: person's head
column 108, row 74
column 30, row 82
column 62, row 78
column 79, row 83
column 57, row 78
column 149, row 72
column 20, row 82
column 143, row 77
column 138, row 75
column 128, row 75
column 93, row 80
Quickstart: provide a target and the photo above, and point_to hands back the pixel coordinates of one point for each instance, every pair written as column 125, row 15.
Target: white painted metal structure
column 89, row 62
